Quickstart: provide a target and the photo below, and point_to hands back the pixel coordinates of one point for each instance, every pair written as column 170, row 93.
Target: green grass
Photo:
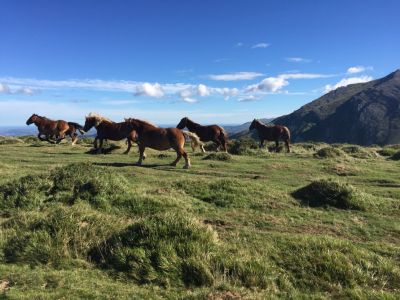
column 251, row 224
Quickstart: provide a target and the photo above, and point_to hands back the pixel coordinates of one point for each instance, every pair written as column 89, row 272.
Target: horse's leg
column 179, row 153
column 287, row 142
column 40, row 137
column 202, row 148
column 141, row 154
column 276, row 145
column 261, row 144
column 129, row 146
column 187, row 160
column 99, row 150
column 60, row 137
column 74, row 138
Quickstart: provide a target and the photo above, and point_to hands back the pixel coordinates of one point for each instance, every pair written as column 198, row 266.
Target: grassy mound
column 84, row 181
column 242, row 146
column 220, row 156
column 331, row 193
column 358, row 152
column 387, row 151
column 5, row 140
column 325, row 263
column 225, row 192
column 395, row 156
column 60, row 235
column 167, row 249
column 329, row 152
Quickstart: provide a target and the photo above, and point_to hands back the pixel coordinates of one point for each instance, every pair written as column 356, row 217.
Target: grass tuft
column 331, row 193
column 329, row 152
column 220, row 156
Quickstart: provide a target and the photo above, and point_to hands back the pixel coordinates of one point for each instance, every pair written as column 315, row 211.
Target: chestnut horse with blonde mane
column 58, row 129
column 162, row 139
column 109, row 130
column 271, row 133
column 206, row 133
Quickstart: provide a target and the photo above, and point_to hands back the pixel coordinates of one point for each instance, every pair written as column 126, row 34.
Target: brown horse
column 162, row 139
column 212, row 133
column 271, row 133
column 55, row 129
column 109, row 130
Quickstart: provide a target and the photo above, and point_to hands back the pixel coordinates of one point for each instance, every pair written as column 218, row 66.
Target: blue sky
column 215, row 61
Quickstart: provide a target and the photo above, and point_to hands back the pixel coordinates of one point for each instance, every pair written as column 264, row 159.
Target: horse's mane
column 144, row 122
column 45, row 118
column 99, row 118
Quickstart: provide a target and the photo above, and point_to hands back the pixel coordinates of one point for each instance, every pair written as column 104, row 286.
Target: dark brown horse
column 55, row 129
column 162, row 139
column 271, row 133
column 109, row 130
column 208, row 133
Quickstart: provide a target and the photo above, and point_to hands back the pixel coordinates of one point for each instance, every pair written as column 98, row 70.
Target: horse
column 55, row 129
column 271, row 133
column 208, row 133
column 162, row 139
column 109, row 130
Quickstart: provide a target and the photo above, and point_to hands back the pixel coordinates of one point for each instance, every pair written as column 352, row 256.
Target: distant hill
column 238, row 131
column 364, row 113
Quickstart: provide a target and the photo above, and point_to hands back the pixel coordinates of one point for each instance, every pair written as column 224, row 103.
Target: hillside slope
column 364, row 113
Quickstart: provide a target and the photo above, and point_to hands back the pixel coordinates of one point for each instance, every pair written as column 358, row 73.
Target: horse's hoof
column 172, row 165
column 186, row 166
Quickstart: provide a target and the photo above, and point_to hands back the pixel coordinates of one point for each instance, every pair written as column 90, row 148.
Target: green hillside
column 321, row 222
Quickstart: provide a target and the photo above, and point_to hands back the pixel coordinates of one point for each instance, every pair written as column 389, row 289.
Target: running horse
column 208, row 133
column 109, row 130
column 162, row 139
column 58, row 129
column 271, row 133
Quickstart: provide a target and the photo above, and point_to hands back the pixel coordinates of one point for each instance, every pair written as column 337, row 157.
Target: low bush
column 331, row 193
column 220, row 156
column 242, row 146
column 329, row 152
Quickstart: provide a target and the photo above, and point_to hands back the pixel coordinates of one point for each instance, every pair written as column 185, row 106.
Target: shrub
column 329, row 152
column 395, row 156
column 358, row 152
column 242, row 146
column 61, row 234
column 386, row 151
column 220, row 156
column 27, row 192
column 10, row 141
column 164, row 249
column 331, row 193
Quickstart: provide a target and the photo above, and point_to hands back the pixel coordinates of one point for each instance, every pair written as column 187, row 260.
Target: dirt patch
column 4, row 285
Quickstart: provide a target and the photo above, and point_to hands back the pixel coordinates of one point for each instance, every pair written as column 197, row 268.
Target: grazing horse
column 212, row 133
column 58, row 129
column 271, row 133
column 162, row 139
column 109, row 130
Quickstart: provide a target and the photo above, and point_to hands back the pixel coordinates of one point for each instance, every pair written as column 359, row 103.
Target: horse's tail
column 286, row 133
column 76, row 126
column 286, row 137
column 194, row 139
column 223, row 138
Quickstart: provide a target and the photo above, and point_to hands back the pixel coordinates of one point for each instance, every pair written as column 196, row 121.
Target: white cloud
column 202, row 90
column 269, row 84
column 260, row 45
column 298, row 59
column 240, row 44
column 358, row 69
column 26, row 91
column 250, row 98
column 347, row 81
column 189, row 100
column 4, row 89
column 234, row 76
column 151, row 90
column 226, row 92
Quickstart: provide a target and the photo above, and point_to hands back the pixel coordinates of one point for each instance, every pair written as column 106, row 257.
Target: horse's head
column 253, row 124
column 32, row 119
column 182, row 123
column 89, row 123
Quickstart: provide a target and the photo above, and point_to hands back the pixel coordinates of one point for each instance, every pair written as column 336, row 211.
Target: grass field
column 320, row 222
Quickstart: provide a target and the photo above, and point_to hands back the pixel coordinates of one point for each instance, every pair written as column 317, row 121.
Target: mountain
column 237, row 131
column 364, row 113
